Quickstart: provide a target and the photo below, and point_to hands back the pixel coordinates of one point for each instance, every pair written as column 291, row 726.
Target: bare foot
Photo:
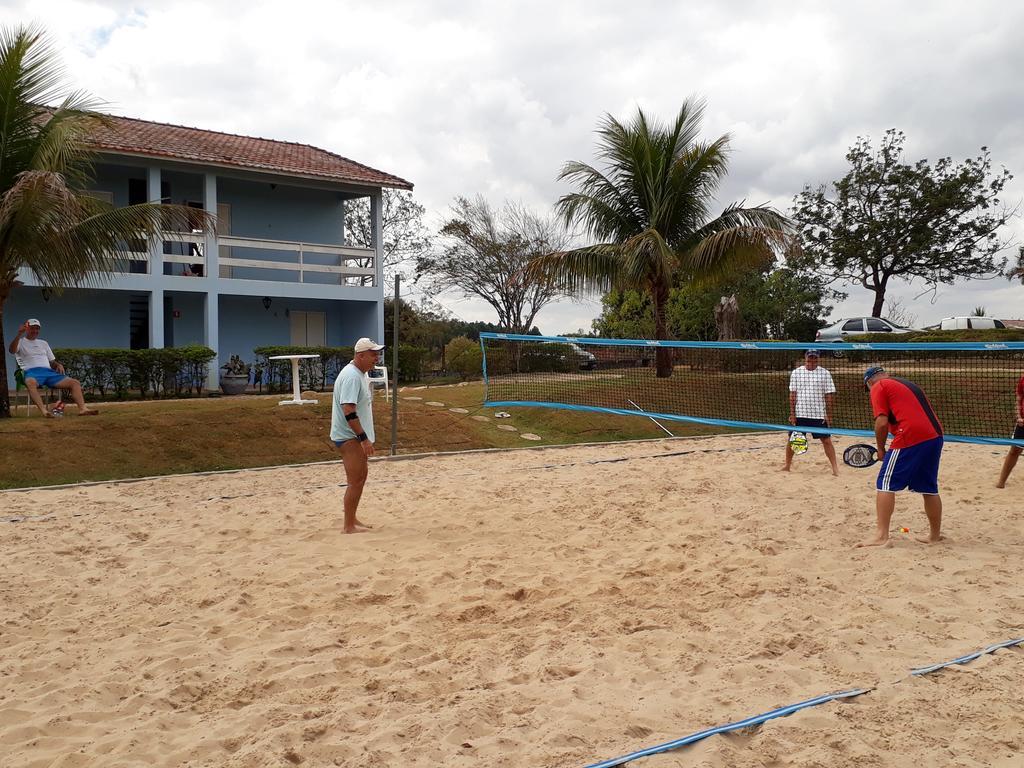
column 48, row 415
column 361, row 524
column 835, row 473
column 785, row 468
column 1000, row 485
column 929, row 539
column 355, row 529
column 876, row 542
column 88, row 412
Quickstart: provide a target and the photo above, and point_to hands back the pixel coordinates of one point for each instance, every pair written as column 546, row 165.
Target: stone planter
column 234, row 385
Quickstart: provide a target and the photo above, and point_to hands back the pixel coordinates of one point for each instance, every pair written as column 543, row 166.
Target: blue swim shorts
column 45, row 377
column 915, row 468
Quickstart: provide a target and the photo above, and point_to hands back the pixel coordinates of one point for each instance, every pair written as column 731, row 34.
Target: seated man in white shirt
column 35, row 358
column 811, row 390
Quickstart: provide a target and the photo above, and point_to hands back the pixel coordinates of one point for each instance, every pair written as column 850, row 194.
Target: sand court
column 547, row 607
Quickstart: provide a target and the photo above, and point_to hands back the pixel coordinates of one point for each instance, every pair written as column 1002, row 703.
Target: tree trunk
column 5, row 393
column 662, row 355
column 876, row 310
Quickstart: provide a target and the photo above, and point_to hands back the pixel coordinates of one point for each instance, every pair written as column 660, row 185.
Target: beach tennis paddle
column 798, row 443
column 860, row 455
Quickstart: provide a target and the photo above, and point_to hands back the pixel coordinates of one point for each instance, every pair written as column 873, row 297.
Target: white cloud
column 493, row 98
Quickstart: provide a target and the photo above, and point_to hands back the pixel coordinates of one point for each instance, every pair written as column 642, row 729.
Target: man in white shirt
column 810, row 404
column 41, row 369
column 352, row 425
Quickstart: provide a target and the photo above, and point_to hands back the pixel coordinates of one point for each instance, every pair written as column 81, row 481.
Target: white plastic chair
column 377, row 379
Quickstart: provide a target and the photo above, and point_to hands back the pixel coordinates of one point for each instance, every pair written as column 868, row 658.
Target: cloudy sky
column 466, row 98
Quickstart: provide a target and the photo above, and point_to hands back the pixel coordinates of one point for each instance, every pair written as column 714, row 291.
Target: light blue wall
column 78, row 318
column 245, row 324
column 282, row 212
column 188, row 328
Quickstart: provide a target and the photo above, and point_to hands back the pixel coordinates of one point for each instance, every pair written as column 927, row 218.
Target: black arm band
column 361, row 437
column 351, row 416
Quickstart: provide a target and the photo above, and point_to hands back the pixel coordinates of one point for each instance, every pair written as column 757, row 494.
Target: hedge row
column 319, row 373
column 169, row 372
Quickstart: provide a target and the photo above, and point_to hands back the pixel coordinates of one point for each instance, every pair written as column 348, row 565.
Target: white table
column 296, row 390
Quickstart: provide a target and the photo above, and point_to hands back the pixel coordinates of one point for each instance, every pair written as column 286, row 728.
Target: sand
column 524, row 608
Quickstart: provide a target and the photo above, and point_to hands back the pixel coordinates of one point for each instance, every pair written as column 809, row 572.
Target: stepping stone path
column 507, row 428
column 480, row 418
column 530, row 436
column 412, row 398
column 435, row 403
column 458, row 410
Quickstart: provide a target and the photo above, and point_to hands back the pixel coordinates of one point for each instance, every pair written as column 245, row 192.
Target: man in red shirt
column 1018, row 434
column 912, row 461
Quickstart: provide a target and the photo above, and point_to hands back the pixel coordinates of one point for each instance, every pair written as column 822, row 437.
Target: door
column 308, row 329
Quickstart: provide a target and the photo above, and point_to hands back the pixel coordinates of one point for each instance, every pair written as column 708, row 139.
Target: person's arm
column 828, row 408
column 16, row 342
column 792, row 407
column 881, row 434
column 1020, row 407
column 54, row 363
column 352, row 419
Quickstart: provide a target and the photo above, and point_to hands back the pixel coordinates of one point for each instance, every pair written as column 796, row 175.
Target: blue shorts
column 915, row 468
column 45, row 377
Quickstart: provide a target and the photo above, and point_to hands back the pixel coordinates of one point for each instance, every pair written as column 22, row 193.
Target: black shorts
column 801, row 422
column 1018, row 432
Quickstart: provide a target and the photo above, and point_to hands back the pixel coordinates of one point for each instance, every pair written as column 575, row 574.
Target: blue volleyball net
column 756, row 385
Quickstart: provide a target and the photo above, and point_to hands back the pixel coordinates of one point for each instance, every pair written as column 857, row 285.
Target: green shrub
column 162, row 372
column 463, row 356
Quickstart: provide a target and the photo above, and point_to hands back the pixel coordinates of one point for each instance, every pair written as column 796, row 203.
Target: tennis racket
column 798, row 443
column 860, row 455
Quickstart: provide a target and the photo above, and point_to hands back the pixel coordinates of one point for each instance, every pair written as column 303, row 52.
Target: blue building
column 277, row 270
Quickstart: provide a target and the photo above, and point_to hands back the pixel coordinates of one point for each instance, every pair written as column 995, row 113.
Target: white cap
column 366, row 345
column 34, row 322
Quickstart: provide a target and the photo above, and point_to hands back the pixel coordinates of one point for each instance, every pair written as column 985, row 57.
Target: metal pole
column 394, row 374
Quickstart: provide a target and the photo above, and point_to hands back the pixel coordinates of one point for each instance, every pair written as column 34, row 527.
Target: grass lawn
column 138, row 439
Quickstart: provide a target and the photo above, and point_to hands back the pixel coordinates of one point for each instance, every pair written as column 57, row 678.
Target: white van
column 976, row 323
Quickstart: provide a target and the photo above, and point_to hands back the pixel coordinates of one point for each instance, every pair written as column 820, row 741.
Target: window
column 855, row 326
column 877, row 326
column 999, row 323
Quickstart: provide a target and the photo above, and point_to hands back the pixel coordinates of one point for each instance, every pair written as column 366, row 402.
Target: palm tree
column 648, row 210
column 48, row 223
column 1017, row 272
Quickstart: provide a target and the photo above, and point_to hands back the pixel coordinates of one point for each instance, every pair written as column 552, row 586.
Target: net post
column 394, row 374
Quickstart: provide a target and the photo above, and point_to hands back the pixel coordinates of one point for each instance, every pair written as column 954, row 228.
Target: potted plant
column 234, row 377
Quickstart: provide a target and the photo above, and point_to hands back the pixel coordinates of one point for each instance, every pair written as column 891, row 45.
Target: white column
column 211, row 336
column 377, row 230
column 156, row 245
column 210, row 206
column 211, row 319
column 156, row 318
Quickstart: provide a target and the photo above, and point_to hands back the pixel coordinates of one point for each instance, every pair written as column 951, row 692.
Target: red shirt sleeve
column 1020, row 387
column 879, row 401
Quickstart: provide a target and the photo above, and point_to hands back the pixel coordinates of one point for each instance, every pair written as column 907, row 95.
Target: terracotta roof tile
column 140, row 137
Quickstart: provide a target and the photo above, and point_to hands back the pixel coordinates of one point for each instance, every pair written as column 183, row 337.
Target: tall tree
column 405, row 234
column 484, row 253
column 648, row 209
column 888, row 219
column 49, row 224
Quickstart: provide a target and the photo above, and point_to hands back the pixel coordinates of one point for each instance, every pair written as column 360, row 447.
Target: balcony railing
column 245, row 258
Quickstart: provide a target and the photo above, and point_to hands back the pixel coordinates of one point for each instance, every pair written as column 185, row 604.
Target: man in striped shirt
column 912, row 461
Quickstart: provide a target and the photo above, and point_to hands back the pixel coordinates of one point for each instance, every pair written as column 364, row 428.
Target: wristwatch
column 361, row 437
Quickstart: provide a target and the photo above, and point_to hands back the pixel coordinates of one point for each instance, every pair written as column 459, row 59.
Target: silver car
column 851, row 326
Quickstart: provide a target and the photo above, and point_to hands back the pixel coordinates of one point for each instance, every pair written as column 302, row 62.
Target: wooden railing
column 352, row 265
